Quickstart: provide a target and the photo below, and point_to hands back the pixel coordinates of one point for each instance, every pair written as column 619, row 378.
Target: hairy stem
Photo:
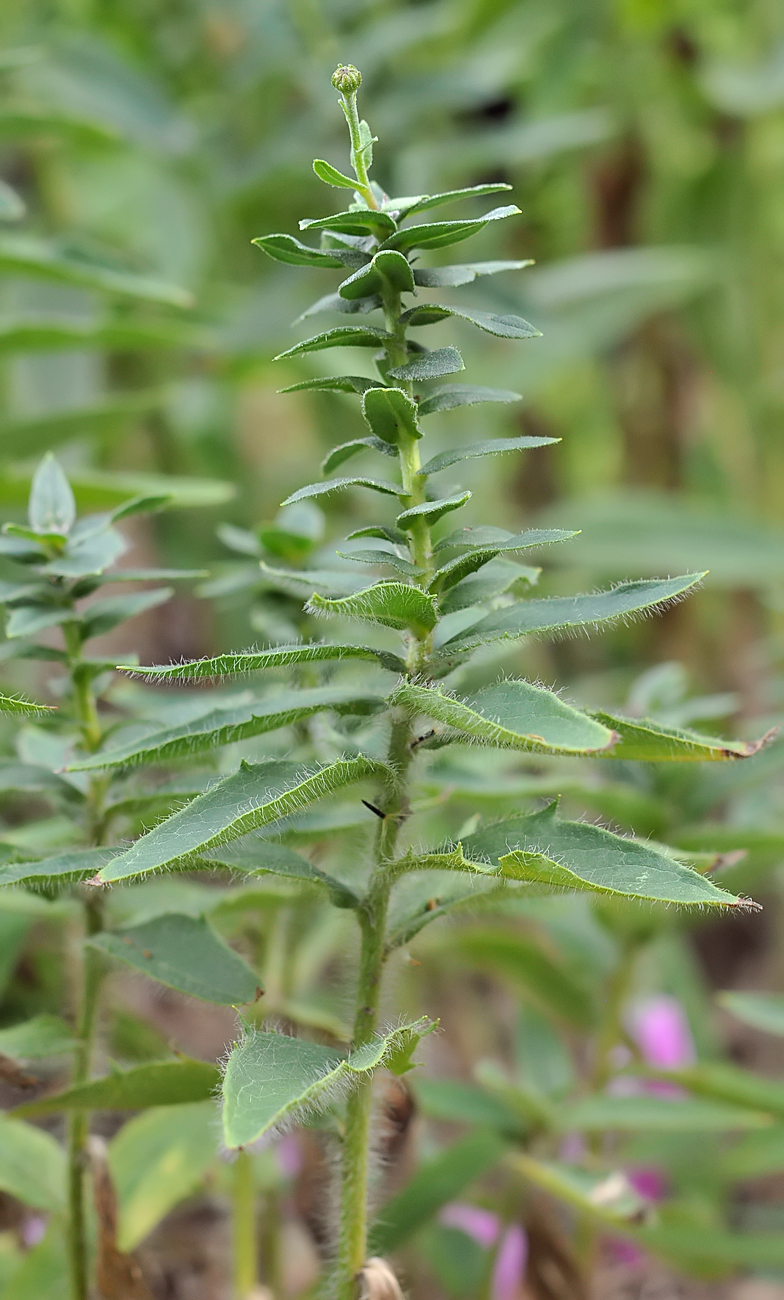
column 243, row 1219
column 349, row 105
column 352, row 1247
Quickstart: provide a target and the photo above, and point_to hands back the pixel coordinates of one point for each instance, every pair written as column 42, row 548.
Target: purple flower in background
column 33, row 1230
column 289, row 1155
column 509, row 1267
column 662, row 1031
column 481, row 1225
column 624, row 1252
column 648, row 1182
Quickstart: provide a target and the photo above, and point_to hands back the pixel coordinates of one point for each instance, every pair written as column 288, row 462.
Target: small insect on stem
column 420, row 740
column 374, row 809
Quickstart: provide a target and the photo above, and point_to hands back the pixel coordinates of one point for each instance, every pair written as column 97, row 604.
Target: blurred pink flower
column 289, row 1155
column 662, row 1031
column 481, row 1225
column 624, row 1252
column 509, row 1267
column 648, row 1182
column 33, row 1230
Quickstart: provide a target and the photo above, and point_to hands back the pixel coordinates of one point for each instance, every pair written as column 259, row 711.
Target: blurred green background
column 645, row 142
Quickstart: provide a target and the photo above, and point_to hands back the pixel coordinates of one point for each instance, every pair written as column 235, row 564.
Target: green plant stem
column 243, row 1218
column 352, row 1246
column 91, row 975
column 349, row 106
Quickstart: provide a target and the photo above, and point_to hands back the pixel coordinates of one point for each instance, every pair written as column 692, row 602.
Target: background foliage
column 150, row 143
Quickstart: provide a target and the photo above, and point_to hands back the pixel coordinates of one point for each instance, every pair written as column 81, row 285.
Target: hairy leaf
column 250, row 661
column 184, row 953
column 61, row 869
column 23, row 708
column 285, row 248
column 441, row 234
column 489, row 448
column 380, row 557
column 504, row 327
column 254, row 855
column 271, row 1079
column 424, row 201
column 254, row 796
column 478, row 546
column 392, row 604
column 438, row 277
column 494, row 579
column 430, row 365
column 432, row 511
column 511, row 714
column 357, row 221
column 340, row 454
column 387, row 269
column 331, row 176
column 390, row 411
column 343, row 336
column 452, row 395
column 645, row 741
column 339, row 484
column 334, row 384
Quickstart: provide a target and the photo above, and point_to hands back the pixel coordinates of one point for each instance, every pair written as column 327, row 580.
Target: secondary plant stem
column 244, row 1227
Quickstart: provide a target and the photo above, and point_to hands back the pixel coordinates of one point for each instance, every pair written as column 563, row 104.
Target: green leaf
column 478, row 546
column 356, row 221
column 525, row 962
column 339, row 484
column 559, row 613
column 440, row 234
column 438, row 277
column 488, row 448
column 721, row 1081
column 285, row 248
column 22, row 708
column 644, row 741
column 184, row 953
column 343, row 336
column 503, row 327
column 32, row 1165
column 331, row 176
column 108, row 612
column 456, row 1102
column 102, row 417
column 435, row 1183
column 52, row 507
column 430, row 365
column 390, row 412
column 425, row 895
column 61, row 869
column 156, row 1160
column 494, row 579
column 452, row 395
column 339, row 455
column 387, row 270
column 225, row 726
column 602, row 1114
column 31, row 619
column 425, row 201
column 255, row 855
column 158, row 1083
column 46, row 333
column 510, row 715
column 334, row 384
column 35, row 1039
column 392, row 604
column 756, row 1154
column 544, row 848
column 252, row 797
column 763, row 1011
column 31, row 256
column 271, row 1079
column 250, row 661
column 432, row 511
column 43, row 1270
column 380, row 557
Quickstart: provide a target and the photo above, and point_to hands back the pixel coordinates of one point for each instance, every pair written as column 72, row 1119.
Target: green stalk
column 352, row 1242
column 348, row 80
column 243, row 1219
column 91, row 977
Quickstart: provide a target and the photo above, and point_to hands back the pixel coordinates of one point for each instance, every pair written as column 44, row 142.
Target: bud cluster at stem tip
column 347, row 79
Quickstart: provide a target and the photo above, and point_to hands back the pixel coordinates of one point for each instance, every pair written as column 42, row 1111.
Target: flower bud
column 347, row 79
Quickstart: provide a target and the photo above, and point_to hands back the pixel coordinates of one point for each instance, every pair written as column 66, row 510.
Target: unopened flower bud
column 347, row 79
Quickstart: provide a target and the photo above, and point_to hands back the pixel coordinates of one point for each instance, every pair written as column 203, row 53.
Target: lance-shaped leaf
column 432, row 511
column 544, row 849
column 340, row 484
column 481, row 545
column 32, row 1165
column 429, row 365
column 259, row 793
column 251, row 661
column 524, row 961
column 721, row 1081
column 360, row 221
column 107, row 613
column 331, row 176
column 159, row 1083
column 392, row 604
column 184, row 953
column 272, row 1080
column 30, row 256
column 36, row 1039
column 255, row 855
column 601, row 1114
column 503, row 327
column 422, row 202
column 345, row 450
column 439, row 277
column 226, row 726
column 441, row 234
column 763, row 1011
column 489, row 448
column 511, row 715
column 343, row 336
column 390, row 412
column 61, row 869
column 494, row 579
column 560, row 613
column 452, row 395
column 23, row 708
column 333, row 384
column 303, row 582
column 285, row 248
column 651, row 742
column 387, row 270
column 379, row 557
